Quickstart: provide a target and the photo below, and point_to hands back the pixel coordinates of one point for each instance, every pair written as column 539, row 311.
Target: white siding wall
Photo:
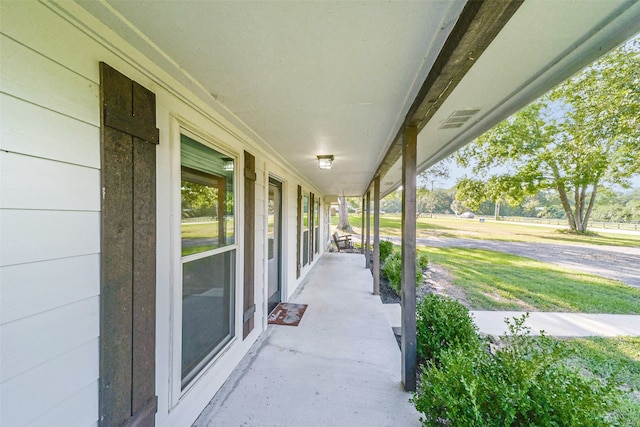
column 50, row 218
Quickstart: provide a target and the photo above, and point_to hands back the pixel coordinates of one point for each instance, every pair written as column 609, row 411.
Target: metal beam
column 409, row 152
column 376, row 236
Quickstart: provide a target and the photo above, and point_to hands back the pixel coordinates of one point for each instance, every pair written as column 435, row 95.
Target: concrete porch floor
column 340, row 366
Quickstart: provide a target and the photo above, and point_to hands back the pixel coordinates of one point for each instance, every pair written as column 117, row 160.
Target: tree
column 198, row 199
column 581, row 137
column 441, row 170
column 425, row 197
column 443, row 199
column 497, row 189
column 425, row 201
column 618, row 206
column 458, row 207
column 343, row 215
column 392, row 203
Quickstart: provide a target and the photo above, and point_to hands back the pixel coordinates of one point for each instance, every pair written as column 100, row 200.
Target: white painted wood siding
column 50, row 223
column 50, row 216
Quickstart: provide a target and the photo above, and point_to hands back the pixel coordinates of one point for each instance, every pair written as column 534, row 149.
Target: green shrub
column 386, row 248
column 392, row 270
column 422, row 262
column 443, row 323
column 524, row 384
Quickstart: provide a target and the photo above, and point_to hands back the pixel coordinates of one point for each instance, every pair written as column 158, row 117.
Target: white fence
column 561, row 221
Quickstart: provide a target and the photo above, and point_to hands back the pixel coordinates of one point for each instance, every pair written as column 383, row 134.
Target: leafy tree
column 425, row 201
column 458, row 207
column 581, row 137
column 497, row 190
column 392, row 203
column 554, row 212
column 343, row 215
column 425, row 197
column 437, row 172
column 198, row 199
column 618, row 206
column 443, row 199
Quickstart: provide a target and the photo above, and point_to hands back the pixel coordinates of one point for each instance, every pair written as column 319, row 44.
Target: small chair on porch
column 342, row 242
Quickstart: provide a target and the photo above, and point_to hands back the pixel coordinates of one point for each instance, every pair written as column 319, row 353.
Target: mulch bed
column 388, row 295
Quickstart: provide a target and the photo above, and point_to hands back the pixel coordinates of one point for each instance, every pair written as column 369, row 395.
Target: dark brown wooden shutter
column 249, row 241
column 312, row 225
column 128, row 252
column 299, row 233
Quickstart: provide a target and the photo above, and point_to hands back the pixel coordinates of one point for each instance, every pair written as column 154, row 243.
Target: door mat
column 287, row 314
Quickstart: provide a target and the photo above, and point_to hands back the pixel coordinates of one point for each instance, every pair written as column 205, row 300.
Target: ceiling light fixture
column 325, row 161
column 227, row 164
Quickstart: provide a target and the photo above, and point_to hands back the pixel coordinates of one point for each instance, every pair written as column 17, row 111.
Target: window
column 208, row 254
column 316, row 220
column 305, row 230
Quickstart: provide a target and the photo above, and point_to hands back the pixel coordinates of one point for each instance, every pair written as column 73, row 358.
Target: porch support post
column 367, row 252
column 410, row 137
column 376, row 236
column 362, row 226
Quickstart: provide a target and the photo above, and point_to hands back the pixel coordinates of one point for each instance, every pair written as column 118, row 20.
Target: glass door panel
column 274, row 236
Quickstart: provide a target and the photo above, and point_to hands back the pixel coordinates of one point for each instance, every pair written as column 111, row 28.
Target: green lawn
column 494, row 230
column 620, row 356
column 497, row 281
column 200, row 236
column 205, row 229
column 493, row 280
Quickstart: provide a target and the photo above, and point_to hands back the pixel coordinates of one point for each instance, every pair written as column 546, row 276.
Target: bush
column 524, row 384
column 422, row 262
column 386, row 248
column 392, row 270
column 443, row 323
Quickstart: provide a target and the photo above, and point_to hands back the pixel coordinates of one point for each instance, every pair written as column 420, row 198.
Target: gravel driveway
column 619, row 263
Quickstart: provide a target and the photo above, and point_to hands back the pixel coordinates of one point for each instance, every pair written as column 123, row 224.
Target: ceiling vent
column 459, row 118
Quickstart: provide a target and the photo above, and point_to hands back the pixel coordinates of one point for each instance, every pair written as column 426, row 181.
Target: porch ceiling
column 334, row 77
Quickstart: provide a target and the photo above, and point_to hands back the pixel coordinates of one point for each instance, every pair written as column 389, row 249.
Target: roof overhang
column 342, row 78
column 494, row 88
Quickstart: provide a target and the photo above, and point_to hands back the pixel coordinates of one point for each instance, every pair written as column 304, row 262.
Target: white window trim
column 178, row 128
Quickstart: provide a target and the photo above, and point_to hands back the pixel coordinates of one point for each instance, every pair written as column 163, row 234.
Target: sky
column 557, row 111
column 458, row 172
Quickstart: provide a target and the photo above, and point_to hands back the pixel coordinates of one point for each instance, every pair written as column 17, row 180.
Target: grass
column 620, row 357
column 495, row 230
column 201, row 235
column 204, row 230
column 497, row 281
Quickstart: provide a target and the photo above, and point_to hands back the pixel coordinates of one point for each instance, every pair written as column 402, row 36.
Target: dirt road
column 619, row 263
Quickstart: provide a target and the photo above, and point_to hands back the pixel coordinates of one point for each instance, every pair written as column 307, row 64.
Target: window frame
column 306, row 250
column 316, row 226
column 177, row 390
